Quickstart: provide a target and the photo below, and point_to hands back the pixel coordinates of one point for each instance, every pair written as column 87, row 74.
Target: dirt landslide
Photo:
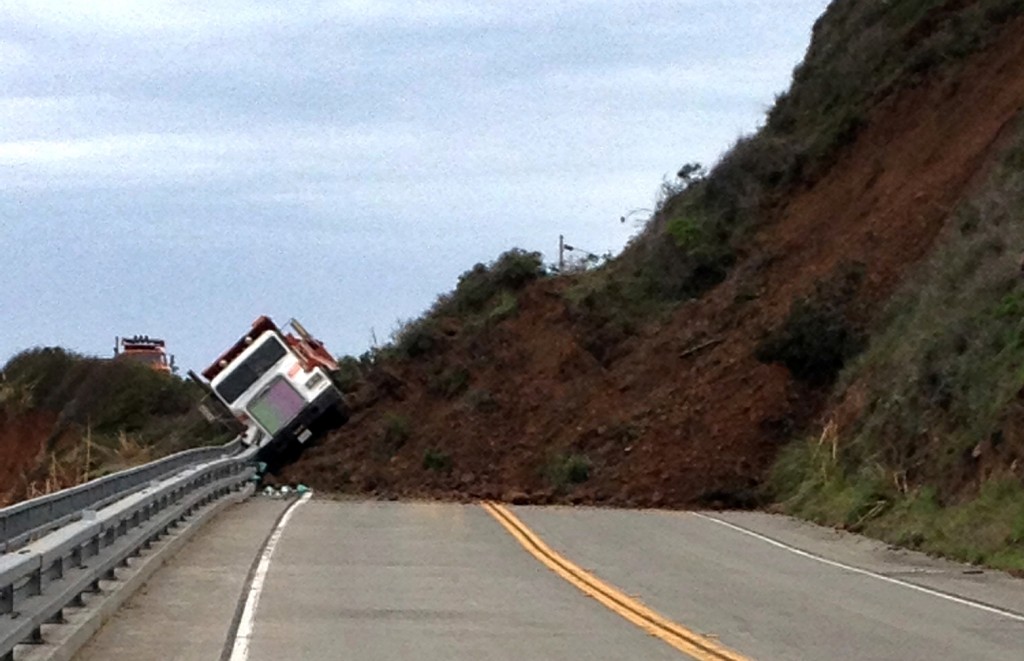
column 687, row 415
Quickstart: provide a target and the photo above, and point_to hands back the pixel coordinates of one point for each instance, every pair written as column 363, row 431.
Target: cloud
column 343, row 161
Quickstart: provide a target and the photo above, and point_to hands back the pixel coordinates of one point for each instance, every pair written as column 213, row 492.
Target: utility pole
column 561, row 253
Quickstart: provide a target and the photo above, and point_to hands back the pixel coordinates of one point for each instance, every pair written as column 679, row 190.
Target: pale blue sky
column 178, row 168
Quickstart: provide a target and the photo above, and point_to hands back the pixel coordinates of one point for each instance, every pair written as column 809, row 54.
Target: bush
column 818, row 337
column 449, row 383
column 506, row 306
column 511, row 271
column 349, row 374
column 606, row 310
column 394, row 435
column 567, row 470
column 418, row 337
column 112, row 395
column 814, row 343
column 437, row 461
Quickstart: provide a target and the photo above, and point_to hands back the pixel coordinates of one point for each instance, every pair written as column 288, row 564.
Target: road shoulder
column 185, row 610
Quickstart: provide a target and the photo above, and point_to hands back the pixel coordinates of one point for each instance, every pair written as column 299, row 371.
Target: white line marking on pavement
column 240, row 650
column 857, row 570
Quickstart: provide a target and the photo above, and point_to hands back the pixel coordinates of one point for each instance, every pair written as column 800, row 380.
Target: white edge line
column 857, row 570
column 240, row 649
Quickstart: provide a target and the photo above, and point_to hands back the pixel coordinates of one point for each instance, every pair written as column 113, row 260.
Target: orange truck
column 279, row 384
column 146, row 350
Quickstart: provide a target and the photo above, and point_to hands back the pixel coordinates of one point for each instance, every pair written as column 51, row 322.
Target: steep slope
column 66, row 418
column 678, row 402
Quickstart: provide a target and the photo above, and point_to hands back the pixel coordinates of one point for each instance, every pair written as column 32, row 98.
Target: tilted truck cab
column 279, row 385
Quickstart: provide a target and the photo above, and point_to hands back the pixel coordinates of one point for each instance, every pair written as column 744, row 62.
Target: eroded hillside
column 674, row 375
column 66, row 418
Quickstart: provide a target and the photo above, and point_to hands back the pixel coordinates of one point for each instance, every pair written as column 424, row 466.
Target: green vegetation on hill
column 933, row 458
column 928, row 447
column 860, row 53
column 484, row 294
column 115, row 402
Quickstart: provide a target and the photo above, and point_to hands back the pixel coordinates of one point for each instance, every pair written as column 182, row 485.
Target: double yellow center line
column 679, row 637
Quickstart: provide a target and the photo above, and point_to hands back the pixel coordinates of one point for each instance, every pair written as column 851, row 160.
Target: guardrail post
column 57, row 618
column 48, row 574
column 6, row 599
column 34, row 586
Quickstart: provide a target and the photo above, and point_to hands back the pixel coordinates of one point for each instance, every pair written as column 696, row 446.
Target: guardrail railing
column 28, row 520
column 47, row 575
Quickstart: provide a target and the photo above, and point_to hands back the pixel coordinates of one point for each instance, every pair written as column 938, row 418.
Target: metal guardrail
column 39, row 580
column 22, row 522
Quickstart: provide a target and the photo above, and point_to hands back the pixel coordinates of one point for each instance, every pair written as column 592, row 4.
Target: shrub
column 394, row 435
column 417, row 337
column 818, row 337
column 506, row 306
column 814, row 343
column 511, row 271
column 607, row 309
column 437, row 461
column 114, row 395
column 567, row 470
column 449, row 383
column 349, row 374
column 516, row 268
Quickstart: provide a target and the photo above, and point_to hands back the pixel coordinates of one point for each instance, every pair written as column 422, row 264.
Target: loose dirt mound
column 687, row 415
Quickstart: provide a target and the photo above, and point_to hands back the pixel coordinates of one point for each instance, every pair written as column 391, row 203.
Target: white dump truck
column 278, row 384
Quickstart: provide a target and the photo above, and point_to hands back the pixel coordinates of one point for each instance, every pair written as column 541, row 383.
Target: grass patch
column 505, row 307
column 946, row 360
column 986, row 528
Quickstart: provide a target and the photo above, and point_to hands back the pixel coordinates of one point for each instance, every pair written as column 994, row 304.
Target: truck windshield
column 250, row 370
column 276, row 406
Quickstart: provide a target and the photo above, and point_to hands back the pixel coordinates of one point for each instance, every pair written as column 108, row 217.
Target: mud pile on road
column 530, row 401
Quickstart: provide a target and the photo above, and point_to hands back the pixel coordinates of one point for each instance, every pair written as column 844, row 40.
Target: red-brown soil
column 26, row 440
column 687, row 415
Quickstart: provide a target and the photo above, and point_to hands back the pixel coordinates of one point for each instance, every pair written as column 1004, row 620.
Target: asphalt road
column 185, row 611
column 370, row 580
